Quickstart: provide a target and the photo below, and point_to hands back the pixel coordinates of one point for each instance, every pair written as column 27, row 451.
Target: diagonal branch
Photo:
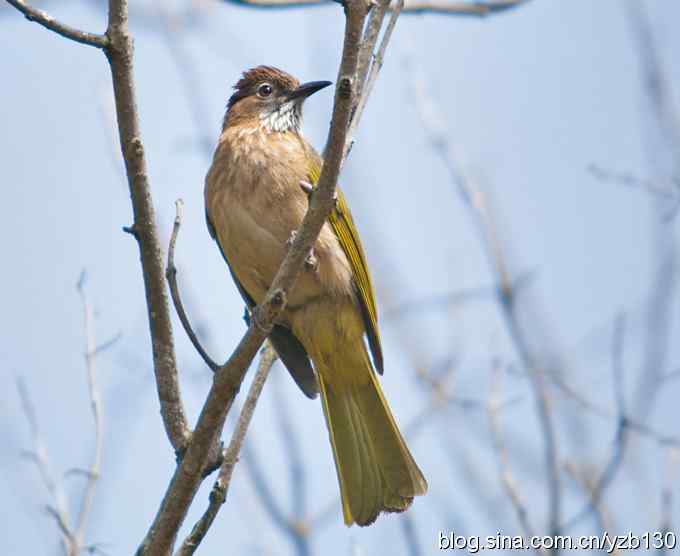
column 475, row 201
column 227, row 380
column 220, row 489
column 47, row 21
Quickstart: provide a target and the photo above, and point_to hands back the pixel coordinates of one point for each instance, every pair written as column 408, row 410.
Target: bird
column 257, row 191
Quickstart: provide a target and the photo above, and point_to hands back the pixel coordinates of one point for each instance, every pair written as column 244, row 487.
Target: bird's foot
column 311, row 261
column 291, row 239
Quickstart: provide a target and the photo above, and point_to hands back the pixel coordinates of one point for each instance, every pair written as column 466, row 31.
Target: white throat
column 286, row 117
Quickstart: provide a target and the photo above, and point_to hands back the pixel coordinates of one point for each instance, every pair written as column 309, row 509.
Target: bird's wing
column 289, row 348
column 342, row 223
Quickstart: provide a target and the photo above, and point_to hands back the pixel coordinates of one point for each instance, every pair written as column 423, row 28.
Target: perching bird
column 256, row 195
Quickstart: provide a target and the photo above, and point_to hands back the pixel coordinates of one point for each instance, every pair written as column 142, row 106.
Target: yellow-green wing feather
column 343, row 225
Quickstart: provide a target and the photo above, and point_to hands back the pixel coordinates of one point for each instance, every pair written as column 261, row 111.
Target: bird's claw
column 291, row 239
column 311, row 262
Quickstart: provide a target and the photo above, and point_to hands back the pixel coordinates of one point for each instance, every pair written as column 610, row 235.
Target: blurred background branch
column 72, row 532
column 442, row 7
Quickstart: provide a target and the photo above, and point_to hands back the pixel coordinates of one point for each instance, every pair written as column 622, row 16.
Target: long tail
column 375, row 468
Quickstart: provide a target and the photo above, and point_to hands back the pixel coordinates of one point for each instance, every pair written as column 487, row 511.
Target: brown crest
column 254, row 77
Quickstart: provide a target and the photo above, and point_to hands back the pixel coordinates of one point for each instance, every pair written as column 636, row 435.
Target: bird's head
column 270, row 98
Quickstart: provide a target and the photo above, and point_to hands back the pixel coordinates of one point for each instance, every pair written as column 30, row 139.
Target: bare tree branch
column 589, row 486
column 293, row 524
column 58, row 509
column 220, row 489
column 294, row 452
column 171, row 276
column 656, row 80
column 666, row 134
column 596, row 489
column 418, row 7
column 91, row 350
column 72, row 536
column 47, row 21
column 370, row 61
column 61, row 519
column 172, row 32
column 444, row 301
column 662, row 439
column 118, row 48
column 475, row 200
column 628, row 180
column 506, row 475
column 119, row 53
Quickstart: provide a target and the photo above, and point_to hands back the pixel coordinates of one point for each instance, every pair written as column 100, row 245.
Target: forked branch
column 161, row 536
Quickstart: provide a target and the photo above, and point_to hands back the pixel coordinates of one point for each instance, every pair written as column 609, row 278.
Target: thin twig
column 218, row 494
column 505, row 471
column 662, row 439
column 58, row 509
column 95, row 405
column 293, row 524
column 657, row 82
column 273, row 508
column 369, row 74
column 172, row 33
column 72, row 537
column 444, row 301
column 60, row 517
column 620, row 443
column 598, row 508
column 628, row 180
column 475, row 200
column 368, row 41
column 47, row 21
column 294, row 453
column 666, row 121
column 171, row 276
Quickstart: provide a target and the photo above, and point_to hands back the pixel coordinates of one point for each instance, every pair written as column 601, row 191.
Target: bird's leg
column 308, row 188
column 311, row 261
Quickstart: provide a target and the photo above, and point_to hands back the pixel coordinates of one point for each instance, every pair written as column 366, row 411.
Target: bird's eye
column 264, row 90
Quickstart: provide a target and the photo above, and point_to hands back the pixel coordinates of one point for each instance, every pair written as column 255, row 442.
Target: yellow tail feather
column 375, row 468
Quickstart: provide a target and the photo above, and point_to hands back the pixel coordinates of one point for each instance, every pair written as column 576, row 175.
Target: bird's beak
column 308, row 89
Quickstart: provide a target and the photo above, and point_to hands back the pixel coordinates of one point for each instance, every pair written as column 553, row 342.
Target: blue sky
column 530, row 99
